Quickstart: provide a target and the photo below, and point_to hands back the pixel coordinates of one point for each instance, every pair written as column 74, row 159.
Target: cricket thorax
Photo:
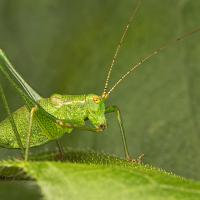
column 77, row 109
column 67, row 100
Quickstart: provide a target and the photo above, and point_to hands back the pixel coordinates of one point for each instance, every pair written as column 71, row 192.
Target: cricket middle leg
column 33, row 111
column 116, row 110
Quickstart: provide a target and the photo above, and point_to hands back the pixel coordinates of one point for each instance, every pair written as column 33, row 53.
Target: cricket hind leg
column 14, row 127
column 116, row 110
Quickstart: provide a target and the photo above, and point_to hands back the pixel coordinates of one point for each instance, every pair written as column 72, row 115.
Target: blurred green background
column 66, row 46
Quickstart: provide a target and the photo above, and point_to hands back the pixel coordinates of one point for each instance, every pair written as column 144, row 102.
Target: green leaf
column 96, row 176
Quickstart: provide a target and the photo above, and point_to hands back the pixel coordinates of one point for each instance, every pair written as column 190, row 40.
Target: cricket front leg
column 116, row 110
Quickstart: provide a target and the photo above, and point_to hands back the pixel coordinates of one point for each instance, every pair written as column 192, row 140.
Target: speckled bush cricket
column 45, row 119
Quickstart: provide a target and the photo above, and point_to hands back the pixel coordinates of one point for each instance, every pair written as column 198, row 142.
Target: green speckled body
column 73, row 109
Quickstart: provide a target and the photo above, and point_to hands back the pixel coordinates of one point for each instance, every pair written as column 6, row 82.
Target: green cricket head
column 96, row 111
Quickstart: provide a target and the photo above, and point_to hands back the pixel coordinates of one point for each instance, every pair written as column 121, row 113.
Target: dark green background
column 66, row 46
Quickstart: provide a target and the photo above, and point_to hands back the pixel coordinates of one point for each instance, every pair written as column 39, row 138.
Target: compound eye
column 96, row 99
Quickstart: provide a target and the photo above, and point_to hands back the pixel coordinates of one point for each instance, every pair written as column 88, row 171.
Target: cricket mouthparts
column 102, row 126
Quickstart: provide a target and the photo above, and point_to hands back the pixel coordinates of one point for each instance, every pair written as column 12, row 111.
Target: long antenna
column 155, row 52
column 119, row 46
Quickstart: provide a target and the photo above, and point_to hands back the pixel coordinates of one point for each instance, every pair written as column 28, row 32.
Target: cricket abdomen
column 39, row 134
column 21, row 118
